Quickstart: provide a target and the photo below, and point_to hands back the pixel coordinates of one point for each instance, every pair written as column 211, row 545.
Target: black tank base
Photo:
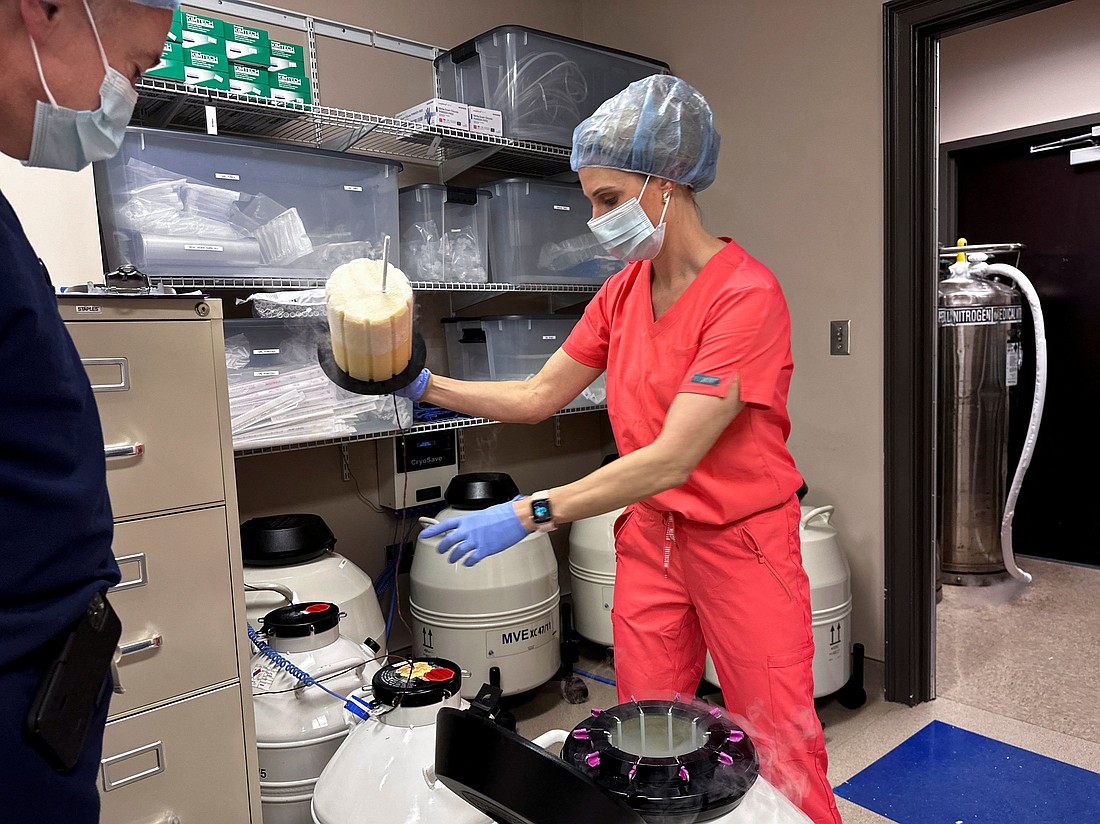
column 387, row 387
column 852, row 695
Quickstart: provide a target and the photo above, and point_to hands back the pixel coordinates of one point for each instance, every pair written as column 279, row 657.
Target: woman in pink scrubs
column 694, row 336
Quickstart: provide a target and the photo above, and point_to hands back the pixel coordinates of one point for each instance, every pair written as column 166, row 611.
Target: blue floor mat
column 947, row 775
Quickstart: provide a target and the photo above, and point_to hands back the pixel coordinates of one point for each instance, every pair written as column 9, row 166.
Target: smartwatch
column 541, row 513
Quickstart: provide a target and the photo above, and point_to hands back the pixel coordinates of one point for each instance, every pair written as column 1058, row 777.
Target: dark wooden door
column 1005, row 194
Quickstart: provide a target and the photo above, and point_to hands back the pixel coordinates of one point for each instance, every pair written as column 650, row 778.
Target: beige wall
column 1022, row 72
column 57, row 210
column 797, row 91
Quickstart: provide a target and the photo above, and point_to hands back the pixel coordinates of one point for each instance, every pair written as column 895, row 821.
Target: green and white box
column 203, row 35
column 289, row 96
column 168, row 70
column 172, row 51
column 205, row 78
column 249, row 88
column 203, row 44
column 244, row 79
column 202, row 60
column 244, row 44
column 289, row 82
column 199, row 24
column 287, row 58
column 175, row 31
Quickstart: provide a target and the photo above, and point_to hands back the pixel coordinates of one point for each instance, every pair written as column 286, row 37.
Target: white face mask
column 627, row 232
column 70, row 139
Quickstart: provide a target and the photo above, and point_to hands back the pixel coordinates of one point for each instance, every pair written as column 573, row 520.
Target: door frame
column 912, row 30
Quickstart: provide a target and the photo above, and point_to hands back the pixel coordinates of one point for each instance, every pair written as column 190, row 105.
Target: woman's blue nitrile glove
column 415, row 390
column 479, row 534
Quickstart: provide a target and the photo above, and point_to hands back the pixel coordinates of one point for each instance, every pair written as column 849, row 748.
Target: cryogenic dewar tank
column 428, row 756
column 382, row 772
column 290, row 558
column 498, row 620
column 980, row 315
column 592, row 574
column 980, row 323
column 831, row 611
column 299, row 727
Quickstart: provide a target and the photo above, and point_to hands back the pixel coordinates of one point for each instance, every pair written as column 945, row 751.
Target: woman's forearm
column 631, row 478
column 507, row 401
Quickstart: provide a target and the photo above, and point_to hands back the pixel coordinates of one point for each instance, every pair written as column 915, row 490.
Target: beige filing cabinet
column 180, row 744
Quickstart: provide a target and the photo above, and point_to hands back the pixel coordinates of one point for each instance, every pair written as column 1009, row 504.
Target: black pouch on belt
column 74, row 685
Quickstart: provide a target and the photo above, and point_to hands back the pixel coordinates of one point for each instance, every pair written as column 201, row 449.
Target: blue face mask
column 69, row 139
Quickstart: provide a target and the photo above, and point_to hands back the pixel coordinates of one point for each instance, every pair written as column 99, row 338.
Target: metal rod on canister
column 385, row 259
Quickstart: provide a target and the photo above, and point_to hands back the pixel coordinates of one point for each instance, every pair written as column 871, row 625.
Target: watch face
column 540, row 511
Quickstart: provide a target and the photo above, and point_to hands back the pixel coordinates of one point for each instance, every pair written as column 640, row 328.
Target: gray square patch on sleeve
column 708, row 380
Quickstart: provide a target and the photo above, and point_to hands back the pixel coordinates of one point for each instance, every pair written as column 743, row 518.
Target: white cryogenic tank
column 290, row 558
column 592, row 573
column 830, row 602
column 830, row 599
column 383, row 771
column 299, row 727
column 499, row 620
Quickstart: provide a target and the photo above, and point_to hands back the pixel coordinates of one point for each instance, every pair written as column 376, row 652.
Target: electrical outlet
column 838, row 337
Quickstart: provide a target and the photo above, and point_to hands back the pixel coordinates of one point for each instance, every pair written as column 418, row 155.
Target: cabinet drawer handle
column 137, row 646
column 156, row 749
column 142, row 571
column 123, row 450
column 124, row 378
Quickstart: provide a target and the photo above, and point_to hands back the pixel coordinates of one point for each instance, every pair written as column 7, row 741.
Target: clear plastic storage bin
column 445, row 233
column 511, row 348
column 543, row 84
column 538, row 233
column 175, row 203
column 279, row 395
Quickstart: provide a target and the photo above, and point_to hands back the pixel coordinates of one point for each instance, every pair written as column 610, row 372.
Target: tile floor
column 1018, row 665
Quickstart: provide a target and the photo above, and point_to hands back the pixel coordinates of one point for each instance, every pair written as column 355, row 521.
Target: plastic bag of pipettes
column 308, row 303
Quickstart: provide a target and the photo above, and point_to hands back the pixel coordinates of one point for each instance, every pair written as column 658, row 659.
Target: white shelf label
column 353, row 188
column 226, row 176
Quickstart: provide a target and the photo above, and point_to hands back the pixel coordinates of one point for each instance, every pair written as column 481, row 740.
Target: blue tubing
column 594, row 677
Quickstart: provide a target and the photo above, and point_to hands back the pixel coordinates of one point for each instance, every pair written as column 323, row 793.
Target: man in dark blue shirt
column 68, row 69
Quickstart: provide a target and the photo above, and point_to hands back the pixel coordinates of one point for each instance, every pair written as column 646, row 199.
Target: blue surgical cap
column 159, row 4
column 659, row 126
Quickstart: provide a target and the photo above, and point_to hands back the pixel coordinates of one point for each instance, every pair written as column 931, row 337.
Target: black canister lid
column 684, row 777
column 284, row 540
column 515, row 782
column 418, row 682
column 480, row 490
column 301, row 620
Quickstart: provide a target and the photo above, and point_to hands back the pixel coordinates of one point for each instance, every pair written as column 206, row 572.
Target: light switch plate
column 838, row 337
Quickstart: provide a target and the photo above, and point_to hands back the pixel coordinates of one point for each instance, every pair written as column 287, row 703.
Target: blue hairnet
column 657, row 126
column 159, row 4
